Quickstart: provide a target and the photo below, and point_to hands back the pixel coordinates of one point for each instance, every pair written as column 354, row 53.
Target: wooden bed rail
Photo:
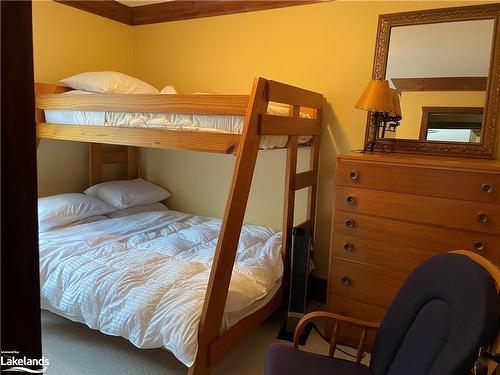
column 223, row 143
column 196, row 104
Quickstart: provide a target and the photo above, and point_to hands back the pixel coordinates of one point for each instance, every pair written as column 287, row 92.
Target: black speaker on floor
column 297, row 303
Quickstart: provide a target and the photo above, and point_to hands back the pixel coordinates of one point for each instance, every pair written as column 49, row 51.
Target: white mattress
column 171, row 121
column 144, row 276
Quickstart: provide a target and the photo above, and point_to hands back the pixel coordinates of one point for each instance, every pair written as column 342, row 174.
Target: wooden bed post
column 132, row 162
column 99, row 156
column 41, row 89
column 289, row 196
column 314, row 171
column 95, row 163
column 295, row 181
column 223, row 261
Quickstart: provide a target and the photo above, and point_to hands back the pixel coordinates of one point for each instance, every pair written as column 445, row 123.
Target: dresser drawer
column 349, row 335
column 427, row 237
column 473, row 186
column 481, row 217
column 372, row 285
column 347, row 307
column 384, row 254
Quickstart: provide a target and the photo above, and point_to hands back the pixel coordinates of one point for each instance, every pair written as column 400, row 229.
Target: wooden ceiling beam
column 440, row 84
column 183, row 10
column 109, row 9
column 175, row 10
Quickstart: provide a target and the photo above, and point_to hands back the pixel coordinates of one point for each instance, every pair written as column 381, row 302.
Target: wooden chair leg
column 360, row 352
column 333, row 341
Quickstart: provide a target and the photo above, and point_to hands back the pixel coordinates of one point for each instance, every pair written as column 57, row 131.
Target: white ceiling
column 136, row 3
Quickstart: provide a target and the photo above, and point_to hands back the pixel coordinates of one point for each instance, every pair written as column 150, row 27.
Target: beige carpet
column 75, row 349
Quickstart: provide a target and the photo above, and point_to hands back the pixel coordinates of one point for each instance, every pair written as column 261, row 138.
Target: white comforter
column 171, row 121
column 144, row 277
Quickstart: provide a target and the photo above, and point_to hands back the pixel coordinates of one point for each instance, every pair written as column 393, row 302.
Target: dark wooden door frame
column 20, row 290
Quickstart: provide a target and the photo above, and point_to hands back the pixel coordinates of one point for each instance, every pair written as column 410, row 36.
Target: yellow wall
column 413, row 101
column 325, row 47
column 68, row 41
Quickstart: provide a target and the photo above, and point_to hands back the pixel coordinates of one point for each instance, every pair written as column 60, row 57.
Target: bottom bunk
column 143, row 276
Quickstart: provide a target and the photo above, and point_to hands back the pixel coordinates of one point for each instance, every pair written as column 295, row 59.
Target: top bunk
column 197, row 122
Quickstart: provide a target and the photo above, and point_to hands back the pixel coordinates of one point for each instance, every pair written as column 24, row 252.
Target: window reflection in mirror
column 442, row 65
column 456, row 124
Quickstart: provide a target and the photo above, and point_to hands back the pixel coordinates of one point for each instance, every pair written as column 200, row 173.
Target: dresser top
column 429, row 161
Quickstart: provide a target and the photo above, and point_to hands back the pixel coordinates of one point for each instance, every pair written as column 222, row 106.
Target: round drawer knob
column 349, row 247
column 487, row 188
column 346, row 280
column 482, row 217
column 478, row 246
column 349, row 223
column 351, row 199
column 354, row 174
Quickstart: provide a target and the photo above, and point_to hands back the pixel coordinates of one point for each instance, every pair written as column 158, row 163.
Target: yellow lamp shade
column 378, row 97
column 396, row 107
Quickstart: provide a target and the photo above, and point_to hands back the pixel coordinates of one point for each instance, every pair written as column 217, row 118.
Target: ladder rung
column 305, row 179
column 283, row 125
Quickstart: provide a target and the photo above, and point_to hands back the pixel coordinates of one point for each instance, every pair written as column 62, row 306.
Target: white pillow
column 155, row 207
column 168, row 90
column 128, row 193
column 63, row 209
column 108, row 83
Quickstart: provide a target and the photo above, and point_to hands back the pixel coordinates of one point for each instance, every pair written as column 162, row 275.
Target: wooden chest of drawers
column 393, row 211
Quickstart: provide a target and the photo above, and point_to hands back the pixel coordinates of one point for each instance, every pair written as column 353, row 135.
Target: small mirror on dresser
column 445, row 66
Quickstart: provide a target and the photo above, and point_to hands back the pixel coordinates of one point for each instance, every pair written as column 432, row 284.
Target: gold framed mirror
column 445, row 65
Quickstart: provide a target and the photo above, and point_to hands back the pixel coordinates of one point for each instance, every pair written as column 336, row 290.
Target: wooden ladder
column 257, row 123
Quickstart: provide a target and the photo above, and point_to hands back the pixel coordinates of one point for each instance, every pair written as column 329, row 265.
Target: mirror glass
column 440, row 71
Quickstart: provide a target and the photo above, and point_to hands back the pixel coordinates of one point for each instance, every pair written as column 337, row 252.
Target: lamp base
column 369, row 147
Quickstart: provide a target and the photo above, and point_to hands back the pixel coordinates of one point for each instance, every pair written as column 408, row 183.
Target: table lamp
column 383, row 102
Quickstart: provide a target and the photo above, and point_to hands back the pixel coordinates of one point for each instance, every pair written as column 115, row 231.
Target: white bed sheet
column 158, row 206
column 171, row 121
column 144, row 276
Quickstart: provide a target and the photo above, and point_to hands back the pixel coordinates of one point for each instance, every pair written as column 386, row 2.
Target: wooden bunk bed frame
column 212, row 344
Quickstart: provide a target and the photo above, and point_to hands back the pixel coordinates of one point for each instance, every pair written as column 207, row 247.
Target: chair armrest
column 306, row 319
column 365, row 325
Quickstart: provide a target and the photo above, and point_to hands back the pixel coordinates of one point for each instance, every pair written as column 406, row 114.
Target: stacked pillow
column 116, row 198
column 128, row 193
column 110, row 82
column 63, row 209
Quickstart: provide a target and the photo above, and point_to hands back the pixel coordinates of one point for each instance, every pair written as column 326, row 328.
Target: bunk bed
column 213, row 342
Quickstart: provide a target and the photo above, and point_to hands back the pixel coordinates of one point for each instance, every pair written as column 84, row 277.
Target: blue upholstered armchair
column 443, row 314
